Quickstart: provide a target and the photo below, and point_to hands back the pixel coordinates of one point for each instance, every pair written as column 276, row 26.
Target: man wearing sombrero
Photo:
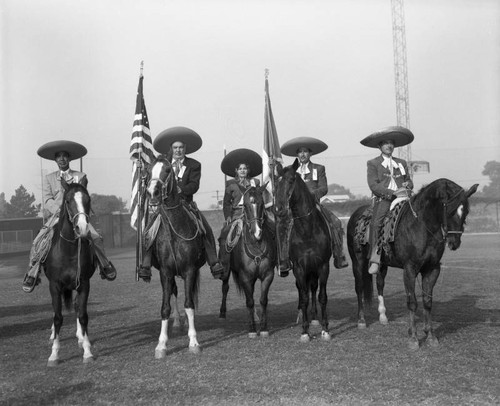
column 314, row 175
column 62, row 152
column 387, row 176
column 175, row 143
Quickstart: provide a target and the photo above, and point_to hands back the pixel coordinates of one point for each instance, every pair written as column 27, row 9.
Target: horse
column 427, row 222
column 177, row 245
column 69, row 265
column 253, row 257
column 303, row 243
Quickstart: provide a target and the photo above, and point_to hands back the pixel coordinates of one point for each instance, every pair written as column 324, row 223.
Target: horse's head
column 253, row 207
column 453, row 208
column 161, row 183
column 76, row 206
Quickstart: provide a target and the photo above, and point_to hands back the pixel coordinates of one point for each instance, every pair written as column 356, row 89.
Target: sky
column 70, row 70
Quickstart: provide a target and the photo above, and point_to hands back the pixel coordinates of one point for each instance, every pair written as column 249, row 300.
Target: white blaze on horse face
column 155, row 176
column 460, row 211
column 81, row 223
column 257, row 228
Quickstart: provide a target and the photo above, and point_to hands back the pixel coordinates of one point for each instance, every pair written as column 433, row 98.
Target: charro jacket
column 189, row 178
column 53, row 191
column 315, row 180
column 379, row 177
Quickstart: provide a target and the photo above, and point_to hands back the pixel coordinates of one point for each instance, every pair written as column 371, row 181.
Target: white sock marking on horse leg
column 162, row 340
column 193, row 342
column 381, row 310
column 86, row 347
column 54, row 356
column 52, row 332
column 79, row 333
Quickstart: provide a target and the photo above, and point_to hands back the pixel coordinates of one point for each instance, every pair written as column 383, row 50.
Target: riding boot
column 106, row 268
column 210, row 249
column 145, row 268
column 32, row 277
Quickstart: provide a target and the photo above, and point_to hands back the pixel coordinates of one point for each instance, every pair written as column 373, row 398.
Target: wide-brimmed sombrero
column 166, row 138
column 400, row 135
column 242, row 156
column 50, row 149
column 290, row 148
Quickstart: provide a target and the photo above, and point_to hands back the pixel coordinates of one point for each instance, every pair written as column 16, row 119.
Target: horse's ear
column 169, row 155
column 472, row 190
column 64, row 184
column 295, row 164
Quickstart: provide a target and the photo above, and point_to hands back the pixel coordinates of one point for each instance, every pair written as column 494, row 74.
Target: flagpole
column 139, row 166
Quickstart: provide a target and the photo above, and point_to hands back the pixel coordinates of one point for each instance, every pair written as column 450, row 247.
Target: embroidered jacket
column 315, row 179
column 379, row 176
column 233, row 196
column 53, row 191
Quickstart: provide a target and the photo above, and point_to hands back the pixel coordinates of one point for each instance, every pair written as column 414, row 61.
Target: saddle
column 388, row 229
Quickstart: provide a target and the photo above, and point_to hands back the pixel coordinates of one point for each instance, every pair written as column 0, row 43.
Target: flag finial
column 142, row 67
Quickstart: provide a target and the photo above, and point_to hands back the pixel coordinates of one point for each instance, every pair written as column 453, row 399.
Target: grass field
column 357, row 367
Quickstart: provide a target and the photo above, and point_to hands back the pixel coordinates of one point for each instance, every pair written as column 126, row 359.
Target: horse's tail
column 67, row 298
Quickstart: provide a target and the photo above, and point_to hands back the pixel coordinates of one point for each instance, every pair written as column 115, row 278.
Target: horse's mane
column 434, row 192
column 303, row 189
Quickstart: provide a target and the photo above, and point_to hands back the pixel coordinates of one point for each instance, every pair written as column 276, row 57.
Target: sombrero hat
column 50, row 149
column 242, row 156
column 166, row 138
column 400, row 135
column 290, row 147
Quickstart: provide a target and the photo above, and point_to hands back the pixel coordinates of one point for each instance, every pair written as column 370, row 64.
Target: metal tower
column 401, row 72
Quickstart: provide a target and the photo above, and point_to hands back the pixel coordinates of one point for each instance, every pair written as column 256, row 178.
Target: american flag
column 271, row 143
column 141, row 148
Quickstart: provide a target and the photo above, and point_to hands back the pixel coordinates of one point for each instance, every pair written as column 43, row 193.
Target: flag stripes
column 141, row 149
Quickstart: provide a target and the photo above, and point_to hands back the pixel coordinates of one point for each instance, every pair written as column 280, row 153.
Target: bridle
column 164, row 188
column 287, row 208
column 444, row 224
column 71, row 219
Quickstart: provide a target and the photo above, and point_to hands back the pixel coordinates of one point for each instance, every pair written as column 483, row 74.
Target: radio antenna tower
column 401, row 73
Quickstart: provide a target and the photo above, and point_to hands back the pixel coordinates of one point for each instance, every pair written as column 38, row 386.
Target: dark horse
column 177, row 248
column 69, row 266
column 303, row 239
column 253, row 257
column 429, row 220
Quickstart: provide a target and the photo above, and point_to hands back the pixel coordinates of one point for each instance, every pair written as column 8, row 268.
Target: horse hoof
column 315, row 323
column 326, row 336
column 264, row 334
column 252, row 335
column 52, row 363
column 413, row 344
column 361, row 325
column 196, row 349
column 433, row 342
column 305, row 338
column 160, row 354
column 88, row 360
column 384, row 320
column 222, row 316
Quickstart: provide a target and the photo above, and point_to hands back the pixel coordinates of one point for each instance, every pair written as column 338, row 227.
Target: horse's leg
column 82, row 320
column 225, row 290
column 248, row 287
column 189, row 287
column 167, row 285
column 265, row 284
column 299, row 306
column 314, row 305
column 303, row 302
column 429, row 280
column 57, row 323
column 380, row 295
column 324, row 272
column 175, row 312
column 358, row 264
column 411, row 302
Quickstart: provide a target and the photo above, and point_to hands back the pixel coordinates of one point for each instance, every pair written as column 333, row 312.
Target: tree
column 492, row 170
column 21, row 204
column 106, row 204
column 3, row 206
